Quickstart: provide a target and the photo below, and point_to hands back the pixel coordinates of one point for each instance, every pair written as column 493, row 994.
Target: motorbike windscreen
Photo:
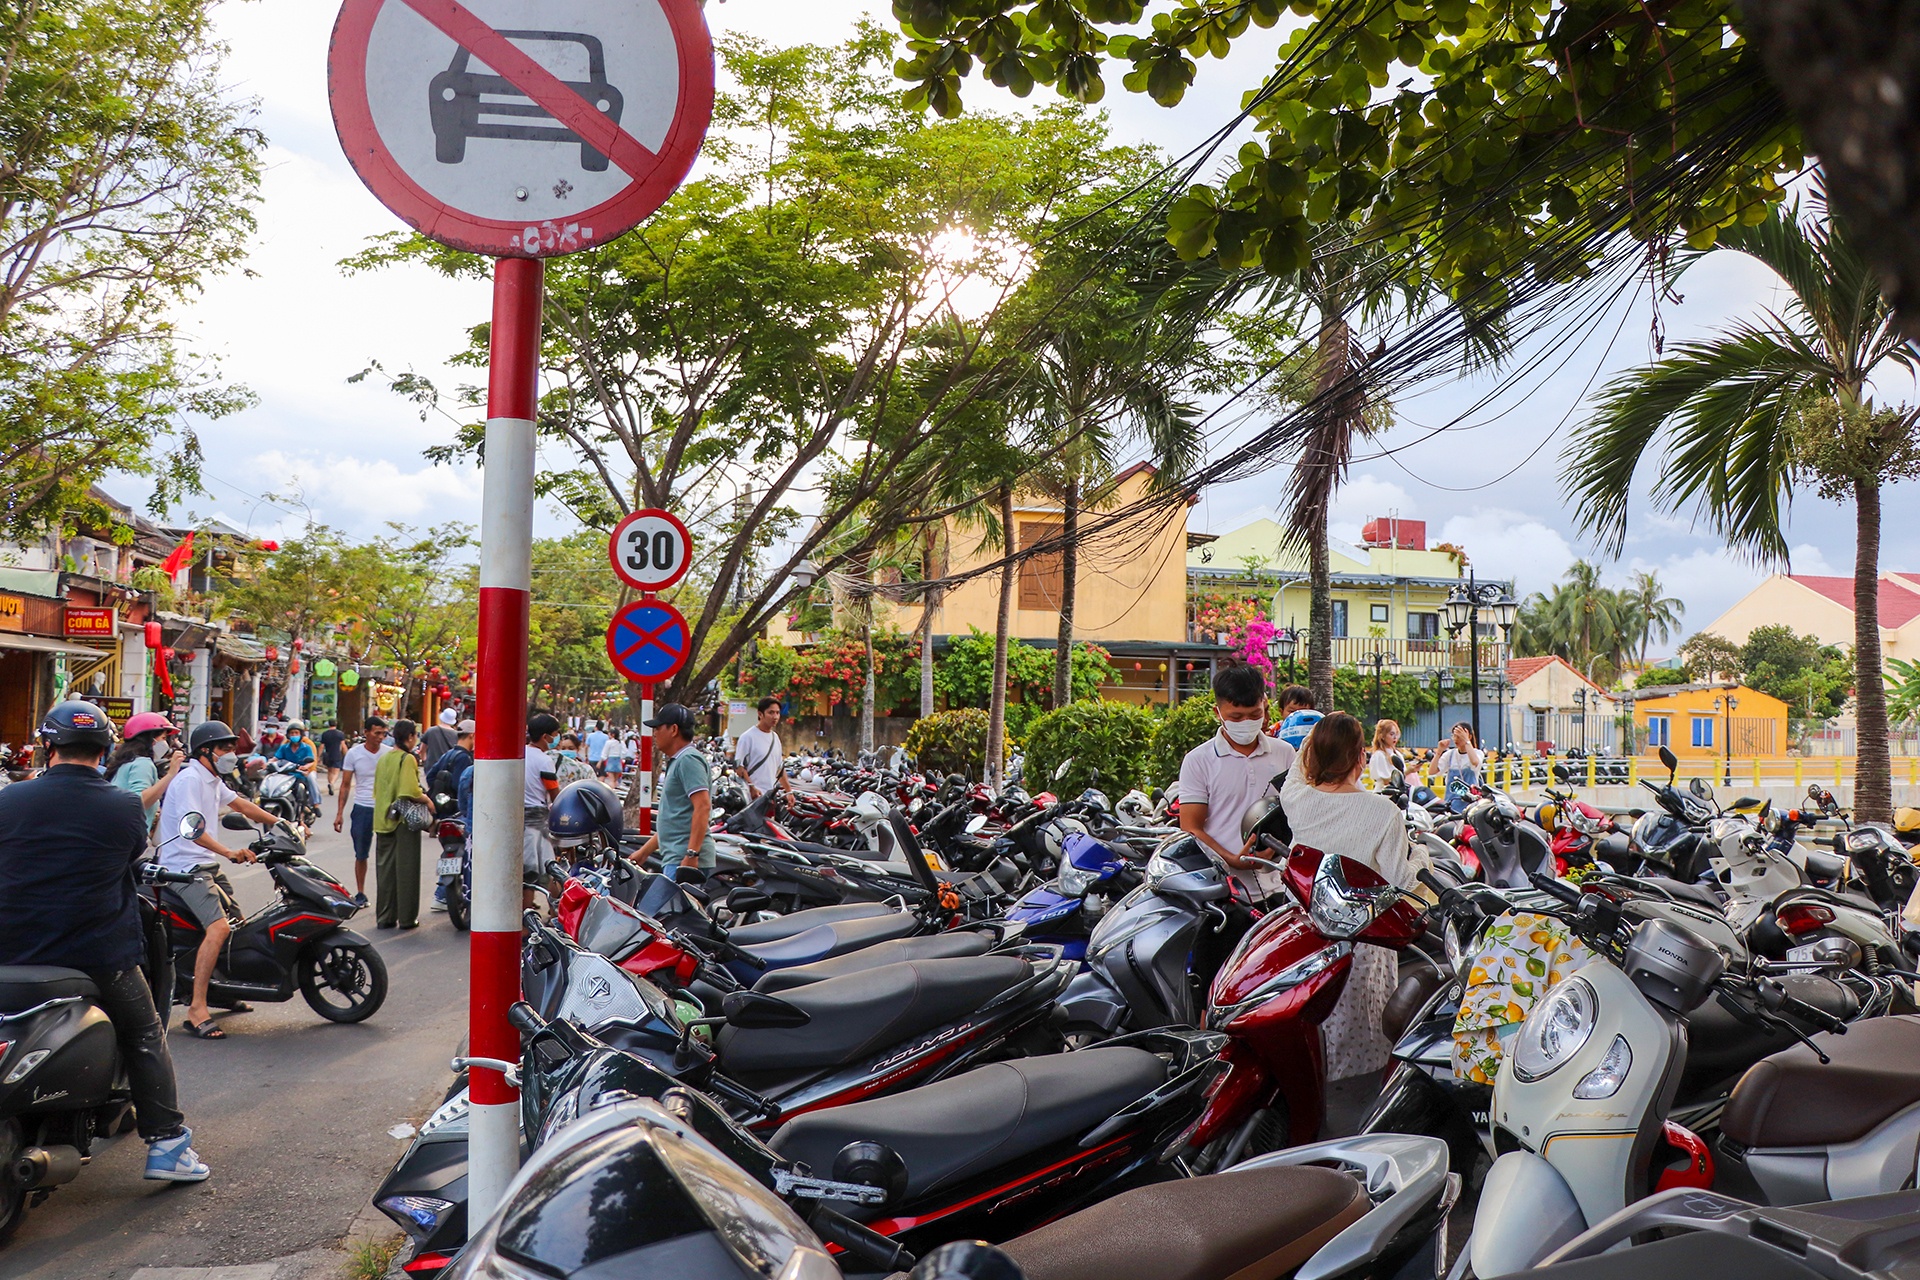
column 609, row 928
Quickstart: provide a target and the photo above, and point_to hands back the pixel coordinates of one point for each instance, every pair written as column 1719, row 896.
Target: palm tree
column 1654, row 614
column 1581, row 621
column 1743, row 416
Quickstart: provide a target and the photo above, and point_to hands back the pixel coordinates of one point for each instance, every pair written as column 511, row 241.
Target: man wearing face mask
column 1224, row 776
column 199, row 789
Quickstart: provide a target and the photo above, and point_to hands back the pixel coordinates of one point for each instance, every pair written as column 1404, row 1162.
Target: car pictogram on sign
column 470, row 100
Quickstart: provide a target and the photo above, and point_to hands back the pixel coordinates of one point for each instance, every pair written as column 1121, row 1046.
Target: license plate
column 449, row 867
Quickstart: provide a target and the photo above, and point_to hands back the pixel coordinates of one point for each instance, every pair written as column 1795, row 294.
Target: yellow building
column 1389, row 594
column 1710, row 721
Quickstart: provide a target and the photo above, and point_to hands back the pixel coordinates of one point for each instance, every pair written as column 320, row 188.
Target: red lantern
column 267, row 544
column 293, row 667
column 298, row 644
column 155, row 640
column 273, row 653
column 1136, row 666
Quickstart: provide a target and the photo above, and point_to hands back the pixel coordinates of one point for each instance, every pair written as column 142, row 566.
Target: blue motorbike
column 1063, row 912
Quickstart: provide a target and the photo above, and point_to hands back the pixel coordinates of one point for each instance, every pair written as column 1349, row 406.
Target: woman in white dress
column 1330, row 812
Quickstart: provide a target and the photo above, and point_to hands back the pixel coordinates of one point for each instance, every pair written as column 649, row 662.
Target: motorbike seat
column 934, row 946
column 1720, row 1046
column 1791, row 1100
column 857, row 1015
column 22, row 986
column 981, row 1119
column 1250, row 1222
column 786, row 926
column 830, row 940
column 1696, row 894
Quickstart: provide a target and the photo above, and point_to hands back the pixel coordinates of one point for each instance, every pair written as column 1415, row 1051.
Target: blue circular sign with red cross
column 648, row 641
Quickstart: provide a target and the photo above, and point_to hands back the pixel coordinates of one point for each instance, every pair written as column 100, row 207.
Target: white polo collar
column 1223, row 746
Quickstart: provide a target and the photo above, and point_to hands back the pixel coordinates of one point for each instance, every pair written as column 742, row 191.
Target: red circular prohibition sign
column 370, row 158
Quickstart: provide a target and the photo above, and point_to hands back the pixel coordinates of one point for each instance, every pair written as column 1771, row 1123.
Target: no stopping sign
column 521, row 128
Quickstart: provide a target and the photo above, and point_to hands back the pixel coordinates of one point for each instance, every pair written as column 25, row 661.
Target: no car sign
column 521, row 128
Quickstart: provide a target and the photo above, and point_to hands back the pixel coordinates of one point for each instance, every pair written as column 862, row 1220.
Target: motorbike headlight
column 1605, row 1080
column 418, row 1216
column 1337, row 909
column 1556, row 1030
column 1073, row 881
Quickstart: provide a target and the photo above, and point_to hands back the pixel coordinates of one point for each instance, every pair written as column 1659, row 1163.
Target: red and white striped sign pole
column 643, row 778
column 499, row 772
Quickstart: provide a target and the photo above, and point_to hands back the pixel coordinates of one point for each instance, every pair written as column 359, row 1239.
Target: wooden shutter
column 1042, row 583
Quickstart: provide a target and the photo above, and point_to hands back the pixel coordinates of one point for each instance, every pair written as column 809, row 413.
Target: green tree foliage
column 426, row 603
column 950, row 742
column 1813, row 679
column 1108, row 742
column 784, row 328
column 1587, row 623
column 1712, row 657
column 965, row 676
column 1903, row 691
column 315, row 583
column 1402, row 696
column 1182, row 729
column 1475, row 127
column 835, row 668
column 574, row 598
column 770, row 673
column 127, row 178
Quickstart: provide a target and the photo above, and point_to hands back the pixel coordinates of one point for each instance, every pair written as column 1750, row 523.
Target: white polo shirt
column 1228, row 783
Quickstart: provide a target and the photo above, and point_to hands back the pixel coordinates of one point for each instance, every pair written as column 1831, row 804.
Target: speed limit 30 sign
column 651, row 550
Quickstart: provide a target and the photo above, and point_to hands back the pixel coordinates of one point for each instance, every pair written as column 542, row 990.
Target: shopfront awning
column 42, row 644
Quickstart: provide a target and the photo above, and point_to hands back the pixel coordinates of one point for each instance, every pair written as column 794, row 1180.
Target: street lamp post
column 1463, row 610
column 1380, row 661
column 1445, row 683
column 1727, row 731
column 1580, row 700
column 1281, row 648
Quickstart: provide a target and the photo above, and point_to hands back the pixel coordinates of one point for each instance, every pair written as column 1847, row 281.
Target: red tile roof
column 1519, row 669
column 1899, row 604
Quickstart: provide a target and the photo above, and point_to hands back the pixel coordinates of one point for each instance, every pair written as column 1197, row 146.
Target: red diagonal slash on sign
column 458, row 23
column 648, row 639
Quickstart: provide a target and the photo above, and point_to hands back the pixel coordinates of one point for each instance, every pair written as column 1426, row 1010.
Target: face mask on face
column 294, row 737
column 1243, row 732
column 224, row 761
column 160, row 749
column 564, row 755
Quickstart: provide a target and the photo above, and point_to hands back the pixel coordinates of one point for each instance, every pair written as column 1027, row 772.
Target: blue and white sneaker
column 174, row 1160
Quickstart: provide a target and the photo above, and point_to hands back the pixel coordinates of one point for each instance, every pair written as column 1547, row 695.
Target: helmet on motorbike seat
column 209, row 733
column 580, row 811
column 77, row 724
column 1265, row 817
column 147, row 722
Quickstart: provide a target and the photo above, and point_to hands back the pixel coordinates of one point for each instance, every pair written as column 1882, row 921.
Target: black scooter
column 298, row 943
column 62, row 1084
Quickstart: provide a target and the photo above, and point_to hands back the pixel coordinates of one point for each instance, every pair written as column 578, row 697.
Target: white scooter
column 1580, row 1108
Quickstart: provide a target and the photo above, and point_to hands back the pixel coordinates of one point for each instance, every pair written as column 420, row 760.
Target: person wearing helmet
column 298, row 752
column 1224, row 776
column 198, row 788
column 136, row 765
column 69, row 841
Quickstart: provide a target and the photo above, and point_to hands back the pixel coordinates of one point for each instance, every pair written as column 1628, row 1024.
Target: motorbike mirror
column 976, row 824
column 758, row 1011
column 1670, row 760
column 967, row 1260
column 1813, row 791
column 1701, row 788
column 746, row 900
column 192, row 827
column 1562, row 774
column 231, row 821
column 874, row 1164
column 1060, row 771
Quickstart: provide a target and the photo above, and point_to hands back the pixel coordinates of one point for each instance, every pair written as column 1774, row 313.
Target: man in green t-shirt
column 685, row 806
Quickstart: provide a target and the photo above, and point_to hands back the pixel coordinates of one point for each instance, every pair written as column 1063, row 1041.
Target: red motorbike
column 1273, row 993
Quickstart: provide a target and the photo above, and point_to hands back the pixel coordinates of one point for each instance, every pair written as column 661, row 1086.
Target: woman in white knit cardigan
column 1329, row 812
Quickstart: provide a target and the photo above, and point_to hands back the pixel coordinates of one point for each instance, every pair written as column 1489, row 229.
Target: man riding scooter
column 69, row 841
column 199, row 789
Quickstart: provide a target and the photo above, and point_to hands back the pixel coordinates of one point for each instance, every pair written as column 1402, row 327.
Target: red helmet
column 146, row 722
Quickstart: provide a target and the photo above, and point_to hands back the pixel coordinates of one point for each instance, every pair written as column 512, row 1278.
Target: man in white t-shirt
column 197, row 788
column 1222, row 777
column 358, row 766
column 542, row 784
column 759, row 756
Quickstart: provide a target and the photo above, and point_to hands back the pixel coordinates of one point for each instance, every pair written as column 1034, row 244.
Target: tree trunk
column 1873, row 769
column 1069, row 583
column 928, row 605
column 872, row 689
column 997, row 701
column 1320, row 613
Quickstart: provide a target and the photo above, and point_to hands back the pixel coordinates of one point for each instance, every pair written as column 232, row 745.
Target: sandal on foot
column 205, row 1031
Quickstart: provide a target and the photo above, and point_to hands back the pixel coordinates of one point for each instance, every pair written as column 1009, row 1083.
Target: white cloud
column 1509, row 544
column 372, row 490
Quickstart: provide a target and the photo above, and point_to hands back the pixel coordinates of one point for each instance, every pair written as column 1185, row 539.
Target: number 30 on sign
column 651, row 550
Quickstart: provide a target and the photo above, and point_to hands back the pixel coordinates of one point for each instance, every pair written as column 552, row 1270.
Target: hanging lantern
column 1189, row 666
column 298, row 644
column 293, row 667
column 1138, row 667
column 155, row 640
column 273, row 653
column 324, row 668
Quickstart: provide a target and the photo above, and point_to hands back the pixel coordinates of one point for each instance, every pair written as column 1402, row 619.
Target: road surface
column 292, row 1112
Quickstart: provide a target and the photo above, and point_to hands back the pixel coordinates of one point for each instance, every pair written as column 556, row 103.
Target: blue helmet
column 583, row 809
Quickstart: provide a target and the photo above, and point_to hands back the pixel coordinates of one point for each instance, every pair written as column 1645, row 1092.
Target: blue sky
column 294, row 328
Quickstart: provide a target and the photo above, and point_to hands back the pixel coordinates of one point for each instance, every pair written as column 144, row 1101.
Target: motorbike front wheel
column 343, row 981
column 13, row 1198
column 457, row 905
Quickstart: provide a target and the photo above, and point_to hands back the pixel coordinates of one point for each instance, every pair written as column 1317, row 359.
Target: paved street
column 291, row 1111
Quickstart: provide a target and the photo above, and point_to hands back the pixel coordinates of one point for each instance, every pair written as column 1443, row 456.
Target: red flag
column 177, row 559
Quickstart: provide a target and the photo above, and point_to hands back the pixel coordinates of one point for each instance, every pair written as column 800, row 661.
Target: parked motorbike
column 455, row 866
column 63, row 1086
column 298, row 943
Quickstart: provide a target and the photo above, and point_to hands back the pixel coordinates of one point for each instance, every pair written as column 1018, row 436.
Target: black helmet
column 209, row 733
column 77, row 724
column 583, row 808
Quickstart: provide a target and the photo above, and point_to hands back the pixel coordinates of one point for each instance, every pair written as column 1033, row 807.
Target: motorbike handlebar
column 860, row 1241
column 1566, row 893
column 155, row 874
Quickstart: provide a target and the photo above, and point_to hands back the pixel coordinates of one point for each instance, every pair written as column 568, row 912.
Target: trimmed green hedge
column 951, row 742
column 1183, row 728
column 1110, row 738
